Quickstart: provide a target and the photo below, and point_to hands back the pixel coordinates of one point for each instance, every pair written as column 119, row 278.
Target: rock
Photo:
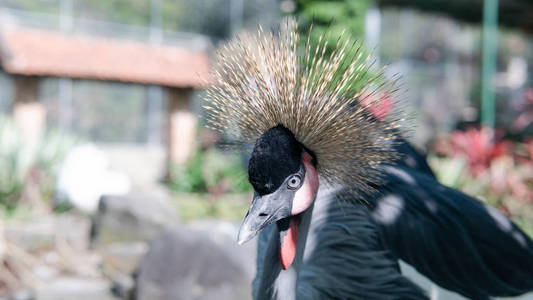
column 224, row 234
column 186, row 263
column 123, row 258
column 68, row 288
column 132, row 218
column 119, row 262
column 22, row 295
column 123, row 286
column 121, row 230
column 43, row 232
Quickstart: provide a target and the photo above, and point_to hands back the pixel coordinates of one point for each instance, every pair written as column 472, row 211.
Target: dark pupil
column 293, row 181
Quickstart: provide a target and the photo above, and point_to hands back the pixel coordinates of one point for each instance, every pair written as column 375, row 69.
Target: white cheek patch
column 305, row 196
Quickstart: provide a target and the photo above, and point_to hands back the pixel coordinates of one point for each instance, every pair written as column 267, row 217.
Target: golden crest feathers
column 328, row 101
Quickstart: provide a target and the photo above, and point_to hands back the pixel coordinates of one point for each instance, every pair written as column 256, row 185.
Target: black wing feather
column 455, row 240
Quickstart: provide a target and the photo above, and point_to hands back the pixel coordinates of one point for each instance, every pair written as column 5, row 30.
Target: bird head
column 284, row 176
column 310, row 114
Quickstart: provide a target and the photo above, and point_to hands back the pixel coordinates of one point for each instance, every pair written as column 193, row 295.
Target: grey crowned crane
column 335, row 203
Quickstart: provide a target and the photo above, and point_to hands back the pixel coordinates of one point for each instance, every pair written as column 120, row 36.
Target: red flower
column 477, row 146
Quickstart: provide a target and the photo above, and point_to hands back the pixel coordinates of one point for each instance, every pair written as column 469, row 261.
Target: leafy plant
column 14, row 163
column 499, row 172
column 23, row 163
column 224, row 172
column 212, row 171
column 188, row 178
column 48, row 156
column 476, row 145
column 197, row 206
column 332, row 16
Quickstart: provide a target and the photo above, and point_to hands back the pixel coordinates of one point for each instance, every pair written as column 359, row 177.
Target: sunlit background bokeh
column 103, row 144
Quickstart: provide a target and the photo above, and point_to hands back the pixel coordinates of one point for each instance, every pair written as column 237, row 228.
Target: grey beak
column 264, row 211
column 255, row 220
column 245, row 232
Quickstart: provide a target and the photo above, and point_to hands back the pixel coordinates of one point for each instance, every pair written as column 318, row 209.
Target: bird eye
column 294, row 182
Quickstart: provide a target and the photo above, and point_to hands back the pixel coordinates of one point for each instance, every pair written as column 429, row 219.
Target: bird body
column 457, row 241
column 321, row 269
column 339, row 196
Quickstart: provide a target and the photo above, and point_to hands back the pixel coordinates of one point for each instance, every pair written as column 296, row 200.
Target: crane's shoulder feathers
column 341, row 258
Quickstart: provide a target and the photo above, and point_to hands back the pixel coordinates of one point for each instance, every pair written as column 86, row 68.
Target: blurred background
column 111, row 187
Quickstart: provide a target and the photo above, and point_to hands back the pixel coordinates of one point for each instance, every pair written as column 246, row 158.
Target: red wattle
column 287, row 249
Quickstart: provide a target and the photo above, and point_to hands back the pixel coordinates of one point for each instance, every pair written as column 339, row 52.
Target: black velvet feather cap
column 276, row 155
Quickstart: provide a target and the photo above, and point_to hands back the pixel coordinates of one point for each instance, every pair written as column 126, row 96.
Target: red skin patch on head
column 303, row 198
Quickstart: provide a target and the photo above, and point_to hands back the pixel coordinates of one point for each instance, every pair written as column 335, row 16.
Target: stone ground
column 52, row 259
column 133, row 248
column 121, row 253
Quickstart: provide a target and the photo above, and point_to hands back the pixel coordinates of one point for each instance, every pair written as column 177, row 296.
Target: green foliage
column 210, row 171
column 197, row 206
column 334, row 22
column 51, row 6
column 205, row 16
column 135, row 12
column 225, row 171
column 14, row 163
column 332, row 17
column 188, row 178
column 18, row 159
column 48, row 156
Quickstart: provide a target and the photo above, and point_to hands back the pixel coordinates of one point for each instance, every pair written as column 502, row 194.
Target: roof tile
column 48, row 53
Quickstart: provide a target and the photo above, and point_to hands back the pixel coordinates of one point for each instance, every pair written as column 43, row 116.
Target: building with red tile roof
column 48, row 53
column 28, row 55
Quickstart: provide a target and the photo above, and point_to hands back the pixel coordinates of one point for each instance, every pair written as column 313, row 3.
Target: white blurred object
column 517, row 72
column 85, row 176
